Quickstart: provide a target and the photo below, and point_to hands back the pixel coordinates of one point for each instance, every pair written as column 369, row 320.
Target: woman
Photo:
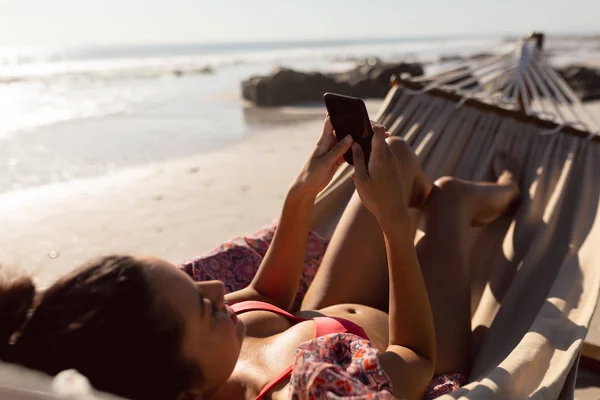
column 140, row 328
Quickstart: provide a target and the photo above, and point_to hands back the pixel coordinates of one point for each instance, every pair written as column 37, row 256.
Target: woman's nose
column 214, row 291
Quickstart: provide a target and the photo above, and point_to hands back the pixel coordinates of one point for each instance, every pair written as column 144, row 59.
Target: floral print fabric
column 336, row 366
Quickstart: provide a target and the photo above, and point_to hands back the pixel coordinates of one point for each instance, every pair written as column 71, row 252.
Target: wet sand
column 175, row 209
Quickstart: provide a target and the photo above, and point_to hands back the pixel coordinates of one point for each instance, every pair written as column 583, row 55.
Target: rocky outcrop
column 583, row 80
column 286, row 86
column 370, row 79
column 451, row 58
column 206, row 70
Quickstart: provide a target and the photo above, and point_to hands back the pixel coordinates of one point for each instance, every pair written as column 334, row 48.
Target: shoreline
column 175, row 209
column 97, row 146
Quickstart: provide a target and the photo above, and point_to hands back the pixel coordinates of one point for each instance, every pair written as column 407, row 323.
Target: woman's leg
column 453, row 207
column 354, row 267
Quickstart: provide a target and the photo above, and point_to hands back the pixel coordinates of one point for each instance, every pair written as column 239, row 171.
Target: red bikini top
column 323, row 326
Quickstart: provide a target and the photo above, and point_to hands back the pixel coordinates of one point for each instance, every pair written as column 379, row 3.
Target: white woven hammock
column 531, row 313
column 519, row 80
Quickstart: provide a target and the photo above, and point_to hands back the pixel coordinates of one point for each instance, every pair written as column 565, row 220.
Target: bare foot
column 498, row 197
column 506, row 168
column 485, row 201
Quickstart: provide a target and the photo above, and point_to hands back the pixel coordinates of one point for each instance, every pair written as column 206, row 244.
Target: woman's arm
column 279, row 274
column 409, row 359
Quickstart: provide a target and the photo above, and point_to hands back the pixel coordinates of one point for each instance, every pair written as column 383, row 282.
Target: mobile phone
column 349, row 116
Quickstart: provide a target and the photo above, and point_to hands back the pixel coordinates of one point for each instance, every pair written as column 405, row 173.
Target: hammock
column 533, row 308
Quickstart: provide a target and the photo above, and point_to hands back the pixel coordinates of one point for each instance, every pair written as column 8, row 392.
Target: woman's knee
column 451, row 186
column 452, row 191
column 400, row 148
column 405, row 153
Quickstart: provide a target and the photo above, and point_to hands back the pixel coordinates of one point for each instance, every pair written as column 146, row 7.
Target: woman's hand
column 323, row 162
column 379, row 184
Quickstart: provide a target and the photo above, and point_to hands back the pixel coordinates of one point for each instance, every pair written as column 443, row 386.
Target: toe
column 505, row 167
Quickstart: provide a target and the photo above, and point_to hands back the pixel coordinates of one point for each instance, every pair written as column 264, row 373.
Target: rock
column 451, row 58
column 206, row 70
column 584, row 81
column 375, row 76
column 370, row 79
column 286, row 86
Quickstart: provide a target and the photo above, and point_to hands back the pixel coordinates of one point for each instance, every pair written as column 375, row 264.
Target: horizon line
column 315, row 40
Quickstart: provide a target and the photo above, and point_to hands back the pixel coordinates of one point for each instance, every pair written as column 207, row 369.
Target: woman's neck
column 234, row 389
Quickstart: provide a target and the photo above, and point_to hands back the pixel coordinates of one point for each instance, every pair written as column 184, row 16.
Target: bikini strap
column 286, row 373
column 323, row 326
column 246, row 306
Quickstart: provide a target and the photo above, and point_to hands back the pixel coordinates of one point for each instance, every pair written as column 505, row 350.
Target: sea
column 73, row 112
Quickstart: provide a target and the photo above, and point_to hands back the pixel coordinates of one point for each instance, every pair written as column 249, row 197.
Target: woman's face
column 212, row 334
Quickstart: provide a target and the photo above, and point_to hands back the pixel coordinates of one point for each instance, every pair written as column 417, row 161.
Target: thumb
column 360, row 169
column 339, row 149
column 378, row 140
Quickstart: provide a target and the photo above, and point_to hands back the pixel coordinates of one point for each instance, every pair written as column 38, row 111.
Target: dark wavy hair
column 102, row 320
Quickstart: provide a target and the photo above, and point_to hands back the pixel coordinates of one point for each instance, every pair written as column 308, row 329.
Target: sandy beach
column 176, row 210
column 170, row 128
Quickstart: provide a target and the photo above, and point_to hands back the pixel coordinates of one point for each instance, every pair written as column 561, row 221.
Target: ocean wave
column 91, row 72
column 158, row 61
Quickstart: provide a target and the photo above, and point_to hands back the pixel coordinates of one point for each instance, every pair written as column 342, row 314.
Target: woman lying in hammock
column 141, row 328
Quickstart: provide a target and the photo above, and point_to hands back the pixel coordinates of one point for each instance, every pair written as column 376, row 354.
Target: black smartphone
column 349, row 116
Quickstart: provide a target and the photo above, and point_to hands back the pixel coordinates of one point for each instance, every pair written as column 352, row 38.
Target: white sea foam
column 45, row 86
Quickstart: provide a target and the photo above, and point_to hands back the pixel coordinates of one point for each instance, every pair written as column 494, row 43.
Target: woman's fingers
column 360, row 169
column 339, row 149
column 214, row 291
column 327, row 128
column 378, row 141
column 327, row 139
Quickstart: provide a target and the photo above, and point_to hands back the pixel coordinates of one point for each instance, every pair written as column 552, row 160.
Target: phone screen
column 349, row 117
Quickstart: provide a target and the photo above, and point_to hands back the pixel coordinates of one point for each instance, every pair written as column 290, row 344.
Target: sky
column 109, row 22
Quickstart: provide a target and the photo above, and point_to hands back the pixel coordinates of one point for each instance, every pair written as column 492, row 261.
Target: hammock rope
column 519, row 80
